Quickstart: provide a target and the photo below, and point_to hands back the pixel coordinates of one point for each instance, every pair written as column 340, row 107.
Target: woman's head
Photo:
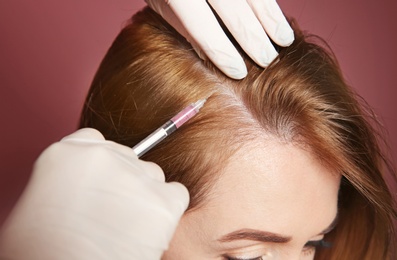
column 294, row 124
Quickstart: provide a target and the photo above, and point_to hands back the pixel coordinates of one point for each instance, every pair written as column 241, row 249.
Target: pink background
column 49, row 51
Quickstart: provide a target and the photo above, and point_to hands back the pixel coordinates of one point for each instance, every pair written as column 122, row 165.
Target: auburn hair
column 151, row 72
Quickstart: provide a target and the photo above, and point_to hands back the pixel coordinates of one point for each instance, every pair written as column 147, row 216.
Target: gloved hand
column 249, row 21
column 93, row 199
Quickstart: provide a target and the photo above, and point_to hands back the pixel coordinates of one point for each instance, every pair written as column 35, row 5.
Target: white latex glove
column 93, row 199
column 249, row 21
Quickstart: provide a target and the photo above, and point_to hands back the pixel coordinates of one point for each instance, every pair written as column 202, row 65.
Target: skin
column 266, row 187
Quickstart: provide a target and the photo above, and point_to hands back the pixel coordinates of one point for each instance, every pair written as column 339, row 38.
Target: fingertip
column 84, row 134
column 235, row 69
column 285, row 35
column 272, row 55
column 154, row 171
column 265, row 55
column 238, row 74
column 229, row 62
column 182, row 195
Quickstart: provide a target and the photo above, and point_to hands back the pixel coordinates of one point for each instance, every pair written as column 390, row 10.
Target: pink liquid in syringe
column 184, row 115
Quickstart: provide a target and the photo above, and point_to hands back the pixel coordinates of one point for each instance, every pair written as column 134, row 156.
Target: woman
column 280, row 165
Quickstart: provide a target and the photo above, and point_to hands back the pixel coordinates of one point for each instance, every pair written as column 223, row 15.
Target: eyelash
column 309, row 248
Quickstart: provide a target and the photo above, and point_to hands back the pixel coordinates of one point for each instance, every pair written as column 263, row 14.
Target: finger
column 207, row 34
column 128, row 156
column 273, row 20
column 153, row 171
column 124, row 153
column 246, row 29
column 164, row 10
column 181, row 195
column 84, row 135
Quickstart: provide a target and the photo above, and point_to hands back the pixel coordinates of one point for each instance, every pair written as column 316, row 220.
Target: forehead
column 276, row 187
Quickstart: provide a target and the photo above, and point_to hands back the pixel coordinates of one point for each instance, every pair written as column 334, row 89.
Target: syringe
column 169, row 127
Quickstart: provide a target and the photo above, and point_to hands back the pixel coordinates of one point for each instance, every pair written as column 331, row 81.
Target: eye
column 311, row 246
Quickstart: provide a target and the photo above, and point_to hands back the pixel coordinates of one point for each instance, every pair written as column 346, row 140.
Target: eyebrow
column 256, row 235
column 264, row 236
